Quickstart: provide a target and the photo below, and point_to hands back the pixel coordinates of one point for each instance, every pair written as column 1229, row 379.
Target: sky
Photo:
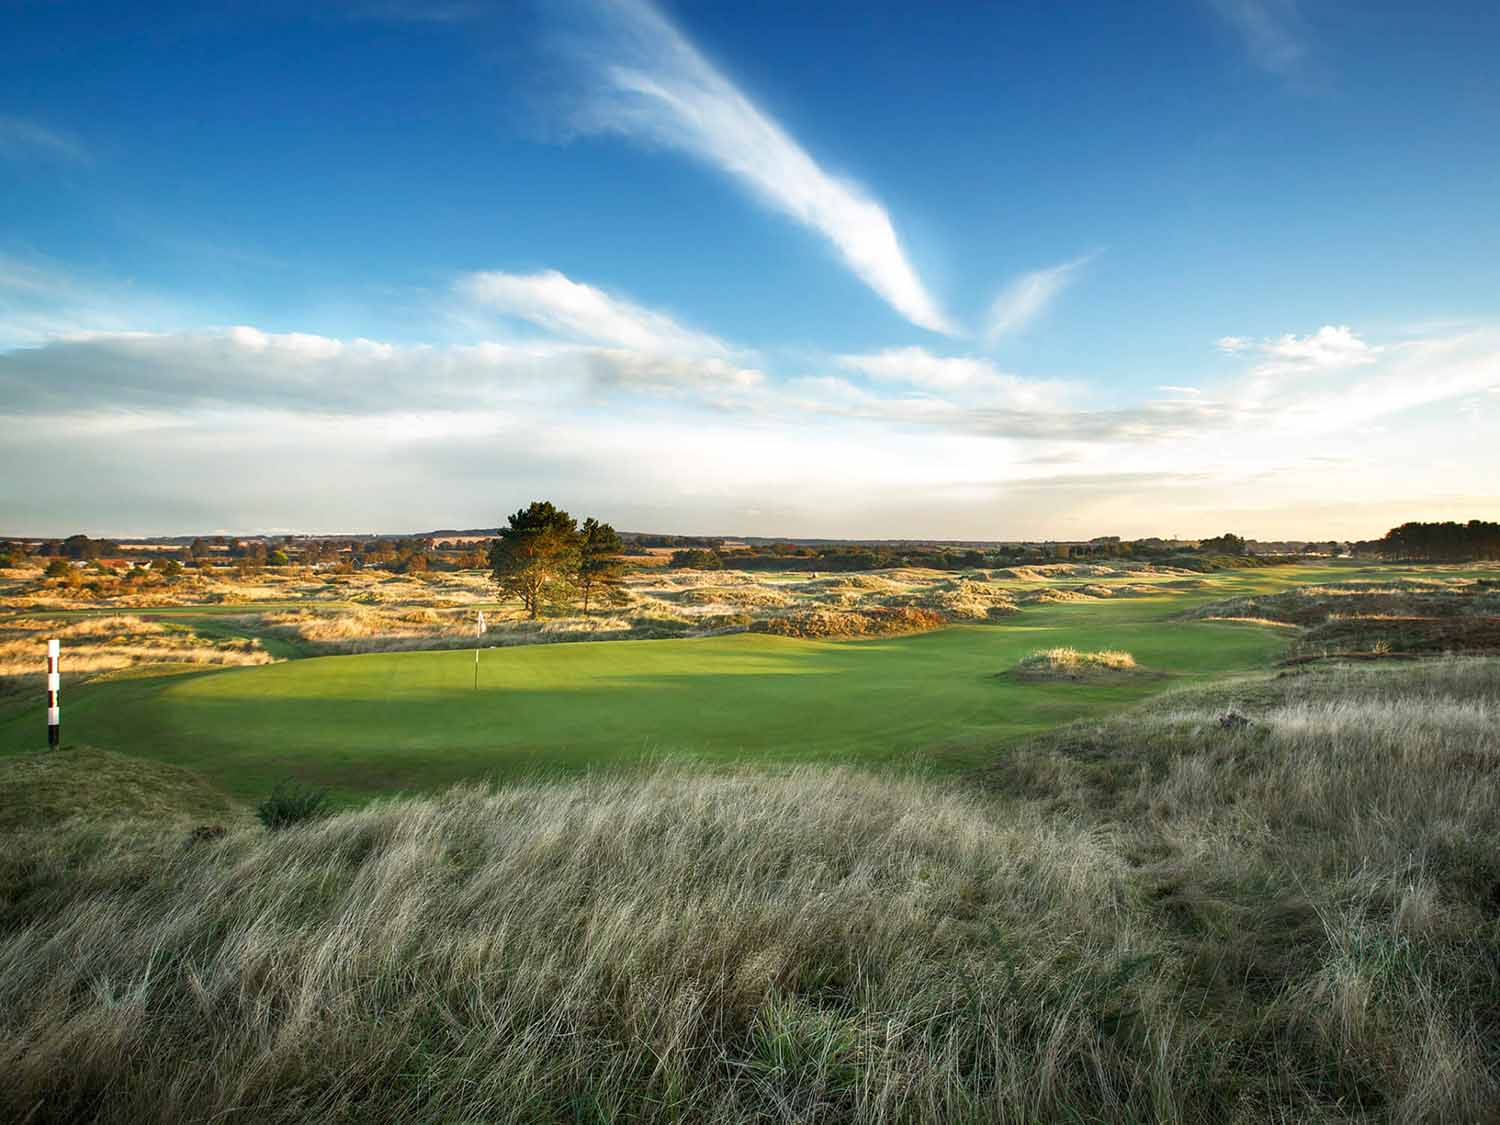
column 847, row 269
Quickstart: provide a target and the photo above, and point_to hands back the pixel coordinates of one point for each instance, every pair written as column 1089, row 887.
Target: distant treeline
column 1448, row 541
column 781, row 556
column 402, row 554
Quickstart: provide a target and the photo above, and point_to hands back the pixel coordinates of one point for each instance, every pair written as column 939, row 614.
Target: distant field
column 378, row 722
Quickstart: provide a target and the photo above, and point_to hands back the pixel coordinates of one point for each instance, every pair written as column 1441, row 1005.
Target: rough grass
column 1148, row 919
column 1402, row 616
column 1065, row 663
column 105, row 643
column 44, row 790
column 874, row 621
column 1329, row 872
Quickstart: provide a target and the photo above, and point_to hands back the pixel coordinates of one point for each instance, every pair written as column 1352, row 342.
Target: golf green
column 414, row 720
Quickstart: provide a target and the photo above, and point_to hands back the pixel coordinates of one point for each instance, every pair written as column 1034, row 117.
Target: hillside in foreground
column 1162, row 917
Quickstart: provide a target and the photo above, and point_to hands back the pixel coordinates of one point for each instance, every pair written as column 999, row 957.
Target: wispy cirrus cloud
column 1028, row 297
column 24, row 139
column 1272, row 30
column 647, row 81
column 552, row 301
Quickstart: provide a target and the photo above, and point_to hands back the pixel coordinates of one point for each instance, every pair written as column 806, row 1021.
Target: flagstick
column 478, row 632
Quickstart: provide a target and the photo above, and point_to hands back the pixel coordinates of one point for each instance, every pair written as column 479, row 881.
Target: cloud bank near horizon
column 672, row 428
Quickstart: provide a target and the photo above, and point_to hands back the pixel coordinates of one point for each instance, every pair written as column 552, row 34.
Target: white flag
column 480, row 626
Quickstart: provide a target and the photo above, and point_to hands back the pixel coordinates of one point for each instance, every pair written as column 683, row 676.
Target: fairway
column 375, row 723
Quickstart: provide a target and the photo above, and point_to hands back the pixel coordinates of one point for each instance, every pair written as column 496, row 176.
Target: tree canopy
column 599, row 563
column 1226, row 544
column 1477, row 539
column 535, row 557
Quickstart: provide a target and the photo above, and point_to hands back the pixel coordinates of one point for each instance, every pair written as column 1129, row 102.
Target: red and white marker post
column 54, row 694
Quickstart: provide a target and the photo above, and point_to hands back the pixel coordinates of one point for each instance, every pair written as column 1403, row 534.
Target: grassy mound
column 46, row 788
column 1071, row 664
column 1154, row 918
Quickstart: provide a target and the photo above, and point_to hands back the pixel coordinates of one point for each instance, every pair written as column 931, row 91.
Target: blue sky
column 992, row 271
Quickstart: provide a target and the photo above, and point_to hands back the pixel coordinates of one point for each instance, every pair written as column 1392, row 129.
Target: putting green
column 413, row 720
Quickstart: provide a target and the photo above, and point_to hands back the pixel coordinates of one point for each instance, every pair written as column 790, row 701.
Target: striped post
column 54, row 695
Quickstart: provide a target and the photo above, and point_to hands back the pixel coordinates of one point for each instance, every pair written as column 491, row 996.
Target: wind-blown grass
column 1148, row 919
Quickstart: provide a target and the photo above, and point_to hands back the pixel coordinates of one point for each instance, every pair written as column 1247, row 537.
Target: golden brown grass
column 1150, row 919
column 1072, row 664
column 82, row 784
column 98, row 644
column 324, row 612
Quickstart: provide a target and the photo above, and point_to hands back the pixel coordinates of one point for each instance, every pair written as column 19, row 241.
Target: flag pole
column 478, row 632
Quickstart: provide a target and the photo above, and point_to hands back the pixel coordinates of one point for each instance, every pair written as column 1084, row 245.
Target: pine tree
column 599, row 564
column 536, row 557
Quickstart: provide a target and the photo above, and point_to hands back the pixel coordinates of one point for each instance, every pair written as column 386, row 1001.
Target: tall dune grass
column 107, row 643
column 1152, row 919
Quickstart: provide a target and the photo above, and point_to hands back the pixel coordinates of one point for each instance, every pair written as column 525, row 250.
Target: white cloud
column 22, row 139
column 245, row 427
column 557, row 304
column 1272, row 31
column 963, row 375
column 1330, row 348
column 648, row 81
column 1026, row 298
column 246, row 367
column 1400, row 378
column 1232, row 345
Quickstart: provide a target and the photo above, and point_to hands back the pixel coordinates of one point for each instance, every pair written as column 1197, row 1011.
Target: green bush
column 290, row 804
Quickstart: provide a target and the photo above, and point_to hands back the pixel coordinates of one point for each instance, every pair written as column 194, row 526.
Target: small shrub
column 206, row 834
column 290, row 804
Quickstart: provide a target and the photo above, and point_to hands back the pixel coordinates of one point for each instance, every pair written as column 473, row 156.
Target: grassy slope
column 1146, row 918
